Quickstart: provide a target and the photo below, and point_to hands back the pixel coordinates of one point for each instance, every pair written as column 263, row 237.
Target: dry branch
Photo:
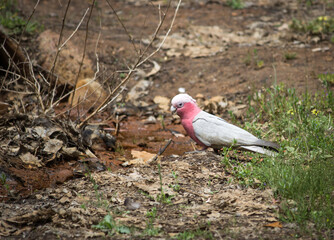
column 139, row 62
column 52, row 82
column 19, row 42
column 83, row 54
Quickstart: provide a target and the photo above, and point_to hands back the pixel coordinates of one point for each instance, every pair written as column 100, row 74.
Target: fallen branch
column 161, row 151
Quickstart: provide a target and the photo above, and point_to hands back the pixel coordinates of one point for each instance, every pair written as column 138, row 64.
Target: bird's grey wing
column 216, row 132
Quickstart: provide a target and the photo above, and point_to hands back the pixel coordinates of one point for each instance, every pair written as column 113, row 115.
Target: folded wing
column 216, row 133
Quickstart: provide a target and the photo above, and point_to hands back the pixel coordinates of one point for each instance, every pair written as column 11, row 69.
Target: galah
column 211, row 131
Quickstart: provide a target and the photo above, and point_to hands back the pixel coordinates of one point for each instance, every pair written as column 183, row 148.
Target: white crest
column 183, row 97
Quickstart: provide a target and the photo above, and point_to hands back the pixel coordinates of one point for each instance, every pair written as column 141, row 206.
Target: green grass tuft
column 235, row 4
column 302, row 174
column 15, row 24
column 318, row 26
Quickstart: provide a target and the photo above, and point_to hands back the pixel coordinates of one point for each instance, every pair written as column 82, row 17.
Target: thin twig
column 83, row 55
column 76, row 29
column 96, row 55
column 59, row 49
column 125, row 29
column 54, row 83
column 136, row 65
column 36, row 85
column 161, row 151
column 165, row 37
column 20, row 39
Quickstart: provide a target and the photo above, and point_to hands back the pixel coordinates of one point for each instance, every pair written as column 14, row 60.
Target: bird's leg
column 216, row 151
column 197, row 151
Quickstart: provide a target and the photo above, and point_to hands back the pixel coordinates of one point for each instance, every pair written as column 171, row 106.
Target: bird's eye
column 180, row 104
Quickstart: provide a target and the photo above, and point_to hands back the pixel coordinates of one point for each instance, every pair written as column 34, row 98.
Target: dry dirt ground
column 212, row 50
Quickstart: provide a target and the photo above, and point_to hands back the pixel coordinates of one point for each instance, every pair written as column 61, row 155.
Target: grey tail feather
column 263, row 143
column 259, row 149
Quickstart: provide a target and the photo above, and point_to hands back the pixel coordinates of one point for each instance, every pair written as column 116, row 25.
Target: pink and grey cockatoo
column 211, row 131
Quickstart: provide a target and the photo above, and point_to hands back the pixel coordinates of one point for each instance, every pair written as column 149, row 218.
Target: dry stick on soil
column 83, row 56
column 161, row 151
column 137, row 64
column 18, row 44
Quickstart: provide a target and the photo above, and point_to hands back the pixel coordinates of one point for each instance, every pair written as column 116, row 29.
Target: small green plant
column 3, row 181
column 163, row 197
column 196, row 234
column 252, row 58
column 152, row 214
column 162, row 121
column 332, row 39
column 176, row 186
column 235, row 4
column 101, row 200
column 318, row 26
column 10, row 19
column 109, row 225
column 290, row 56
column 241, row 171
column 83, row 206
column 327, row 79
column 120, row 149
column 150, row 230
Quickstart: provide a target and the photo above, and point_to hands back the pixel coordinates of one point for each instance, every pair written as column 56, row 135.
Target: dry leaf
column 156, row 68
column 140, row 157
column 53, row 146
column 163, row 102
column 274, row 225
column 28, row 158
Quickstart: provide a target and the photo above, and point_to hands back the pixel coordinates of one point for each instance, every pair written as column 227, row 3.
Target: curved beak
column 173, row 109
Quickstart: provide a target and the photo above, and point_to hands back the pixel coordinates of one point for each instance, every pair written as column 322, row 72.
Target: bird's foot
column 196, row 151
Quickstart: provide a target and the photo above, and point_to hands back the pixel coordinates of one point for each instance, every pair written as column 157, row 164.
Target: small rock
column 151, row 120
column 75, row 210
column 163, row 102
column 89, row 93
column 182, row 90
column 68, row 60
column 39, row 196
column 62, row 212
column 63, row 200
column 131, row 204
column 138, row 91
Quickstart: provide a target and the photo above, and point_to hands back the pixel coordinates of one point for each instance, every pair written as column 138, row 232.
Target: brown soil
column 46, row 205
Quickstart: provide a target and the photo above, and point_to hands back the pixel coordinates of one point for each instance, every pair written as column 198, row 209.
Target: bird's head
column 184, row 105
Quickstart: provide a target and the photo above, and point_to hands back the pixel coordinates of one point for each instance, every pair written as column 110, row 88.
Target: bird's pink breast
column 187, row 114
column 188, row 126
